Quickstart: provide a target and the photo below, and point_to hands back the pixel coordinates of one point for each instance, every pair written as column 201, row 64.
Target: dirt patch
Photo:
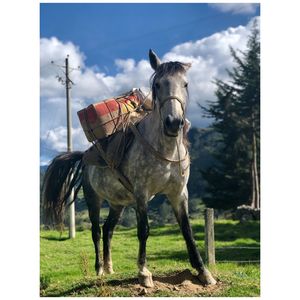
column 177, row 284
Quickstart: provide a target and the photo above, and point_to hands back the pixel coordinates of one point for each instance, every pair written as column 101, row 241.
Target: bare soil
column 179, row 284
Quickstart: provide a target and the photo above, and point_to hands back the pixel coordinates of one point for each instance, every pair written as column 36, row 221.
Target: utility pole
column 72, row 231
column 68, row 83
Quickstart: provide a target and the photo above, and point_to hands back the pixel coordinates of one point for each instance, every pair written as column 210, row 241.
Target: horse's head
column 169, row 90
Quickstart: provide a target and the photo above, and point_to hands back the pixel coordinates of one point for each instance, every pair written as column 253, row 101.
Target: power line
column 130, row 39
column 66, row 71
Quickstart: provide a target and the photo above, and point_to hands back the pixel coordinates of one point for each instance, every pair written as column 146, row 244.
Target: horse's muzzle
column 172, row 125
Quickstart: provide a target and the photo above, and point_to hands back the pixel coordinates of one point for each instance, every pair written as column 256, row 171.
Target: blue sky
column 105, row 32
column 110, row 42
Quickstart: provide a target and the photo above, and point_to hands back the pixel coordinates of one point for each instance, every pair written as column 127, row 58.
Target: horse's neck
column 154, row 134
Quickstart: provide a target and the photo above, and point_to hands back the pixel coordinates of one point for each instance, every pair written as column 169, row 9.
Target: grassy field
column 67, row 266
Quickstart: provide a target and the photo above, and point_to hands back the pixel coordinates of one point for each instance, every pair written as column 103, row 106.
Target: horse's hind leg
column 94, row 204
column 108, row 228
column 180, row 207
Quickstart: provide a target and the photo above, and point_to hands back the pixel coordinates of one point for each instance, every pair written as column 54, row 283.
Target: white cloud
column 53, row 49
column 210, row 57
column 125, row 64
column 235, row 8
column 57, row 139
column 90, row 86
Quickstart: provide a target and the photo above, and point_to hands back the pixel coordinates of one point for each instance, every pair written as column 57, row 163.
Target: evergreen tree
column 234, row 179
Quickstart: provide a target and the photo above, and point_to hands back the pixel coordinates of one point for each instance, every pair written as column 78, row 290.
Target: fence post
column 209, row 236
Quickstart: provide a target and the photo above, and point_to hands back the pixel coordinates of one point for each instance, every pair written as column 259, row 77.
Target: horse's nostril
column 169, row 121
column 173, row 124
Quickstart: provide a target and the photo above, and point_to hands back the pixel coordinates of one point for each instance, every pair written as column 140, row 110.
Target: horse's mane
column 169, row 68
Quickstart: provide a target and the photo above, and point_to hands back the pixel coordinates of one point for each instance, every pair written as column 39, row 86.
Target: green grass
column 67, row 266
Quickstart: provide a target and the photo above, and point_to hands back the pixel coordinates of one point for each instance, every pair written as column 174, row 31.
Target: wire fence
column 210, row 249
column 237, row 261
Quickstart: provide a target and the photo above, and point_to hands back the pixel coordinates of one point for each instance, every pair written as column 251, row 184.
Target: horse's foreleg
column 108, row 228
column 144, row 275
column 180, row 207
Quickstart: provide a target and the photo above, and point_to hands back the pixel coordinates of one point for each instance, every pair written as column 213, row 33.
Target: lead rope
column 179, row 159
column 181, row 169
column 149, row 147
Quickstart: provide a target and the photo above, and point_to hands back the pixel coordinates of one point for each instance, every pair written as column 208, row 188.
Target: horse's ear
column 154, row 60
column 187, row 66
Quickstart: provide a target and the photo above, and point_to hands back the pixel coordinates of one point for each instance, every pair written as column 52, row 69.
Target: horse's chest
column 156, row 175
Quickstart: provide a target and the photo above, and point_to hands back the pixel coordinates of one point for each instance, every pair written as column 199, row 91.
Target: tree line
column 234, row 177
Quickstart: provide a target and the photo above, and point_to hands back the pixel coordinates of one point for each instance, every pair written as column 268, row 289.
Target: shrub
column 246, row 213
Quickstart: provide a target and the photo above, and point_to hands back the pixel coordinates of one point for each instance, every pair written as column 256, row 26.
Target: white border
column 19, row 259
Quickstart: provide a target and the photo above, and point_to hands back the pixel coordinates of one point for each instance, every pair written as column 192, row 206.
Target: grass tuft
column 84, row 264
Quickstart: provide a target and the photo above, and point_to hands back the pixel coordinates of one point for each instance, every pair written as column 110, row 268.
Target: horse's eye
column 157, row 85
column 186, row 85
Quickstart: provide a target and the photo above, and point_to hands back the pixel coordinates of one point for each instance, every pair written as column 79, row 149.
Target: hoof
column 145, row 279
column 99, row 271
column 206, row 278
column 108, row 270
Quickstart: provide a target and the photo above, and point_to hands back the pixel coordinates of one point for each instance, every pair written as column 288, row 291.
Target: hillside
column 203, row 141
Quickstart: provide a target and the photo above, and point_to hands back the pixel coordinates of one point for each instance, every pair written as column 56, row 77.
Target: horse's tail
column 63, row 174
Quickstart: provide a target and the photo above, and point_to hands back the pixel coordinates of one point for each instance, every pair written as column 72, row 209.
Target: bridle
column 168, row 98
column 150, row 148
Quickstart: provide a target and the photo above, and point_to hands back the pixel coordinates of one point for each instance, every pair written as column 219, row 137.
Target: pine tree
column 234, row 180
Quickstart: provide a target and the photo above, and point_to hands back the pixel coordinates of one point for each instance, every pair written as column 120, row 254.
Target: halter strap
column 149, row 147
column 168, row 98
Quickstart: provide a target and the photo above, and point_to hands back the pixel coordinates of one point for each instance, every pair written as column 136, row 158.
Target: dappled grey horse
column 156, row 163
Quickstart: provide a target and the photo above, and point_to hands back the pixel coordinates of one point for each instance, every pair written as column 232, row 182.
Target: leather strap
column 149, row 147
column 171, row 98
column 117, row 173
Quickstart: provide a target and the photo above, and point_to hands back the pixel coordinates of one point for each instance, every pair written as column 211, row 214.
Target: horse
column 157, row 162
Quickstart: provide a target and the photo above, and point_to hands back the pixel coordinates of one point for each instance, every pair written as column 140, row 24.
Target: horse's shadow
column 55, row 238
column 178, row 278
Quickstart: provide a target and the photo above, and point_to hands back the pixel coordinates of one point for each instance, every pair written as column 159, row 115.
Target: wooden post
column 209, row 236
